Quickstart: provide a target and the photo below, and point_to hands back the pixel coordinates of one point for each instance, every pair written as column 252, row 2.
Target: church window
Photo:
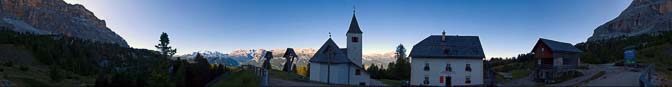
column 355, row 39
column 358, row 72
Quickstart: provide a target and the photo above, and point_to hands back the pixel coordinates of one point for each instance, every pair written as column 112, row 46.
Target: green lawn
column 659, row 56
column 389, row 82
column 519, row 73
column 239, row 79
column 287, row 75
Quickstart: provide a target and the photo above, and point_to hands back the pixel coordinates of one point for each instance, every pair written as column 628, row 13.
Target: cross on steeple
column 329, row 34
column 353, row 9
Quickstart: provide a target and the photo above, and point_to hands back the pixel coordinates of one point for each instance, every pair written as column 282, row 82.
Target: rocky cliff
column 56, row 17
column 641, row 17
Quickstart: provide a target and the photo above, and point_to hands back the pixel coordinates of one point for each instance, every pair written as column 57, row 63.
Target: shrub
column 8, row 64
column 23, row 68
column 55, row 75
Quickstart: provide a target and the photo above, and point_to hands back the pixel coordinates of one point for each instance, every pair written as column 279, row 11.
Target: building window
column 362, row 84
column 358, row 72
column 448, row 68
column 426, row 66
column 426, row 81
column 468, row 68
column 355, row 39
column 467, row 80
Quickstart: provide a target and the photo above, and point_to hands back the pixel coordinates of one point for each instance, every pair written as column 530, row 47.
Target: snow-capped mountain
column 254, row 57
column 213, row 57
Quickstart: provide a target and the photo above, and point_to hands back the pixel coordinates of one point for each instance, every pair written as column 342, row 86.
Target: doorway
column 448, row 81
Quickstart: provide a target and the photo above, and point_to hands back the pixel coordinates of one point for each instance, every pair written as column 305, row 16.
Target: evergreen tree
column 401, row 52
column 401, row 69
column 163, row 47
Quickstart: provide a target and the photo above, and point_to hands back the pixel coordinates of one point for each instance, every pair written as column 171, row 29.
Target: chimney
column 443, row 35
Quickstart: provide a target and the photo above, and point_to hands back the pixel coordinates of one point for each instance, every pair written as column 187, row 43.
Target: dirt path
column 282, row 82
column 522, row 82
column 616, row 78
column 593, row 70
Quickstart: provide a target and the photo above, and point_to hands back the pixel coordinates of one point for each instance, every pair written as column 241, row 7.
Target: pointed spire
column 354, row 26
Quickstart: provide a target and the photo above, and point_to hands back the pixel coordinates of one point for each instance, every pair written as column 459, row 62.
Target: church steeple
column 354, row 50
column 354, row 26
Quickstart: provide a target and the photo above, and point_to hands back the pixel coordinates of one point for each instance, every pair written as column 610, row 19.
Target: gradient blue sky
column 506, row 27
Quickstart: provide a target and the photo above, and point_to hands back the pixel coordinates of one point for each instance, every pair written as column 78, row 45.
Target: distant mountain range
column 56, row 17
column 641, row 17
column 253, row 57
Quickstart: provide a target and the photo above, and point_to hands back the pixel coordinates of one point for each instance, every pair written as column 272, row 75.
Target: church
column 334, row 65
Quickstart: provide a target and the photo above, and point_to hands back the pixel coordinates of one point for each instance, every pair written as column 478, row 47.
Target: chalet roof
column 354, row 26
column 330, row 53
column 452, row 47
column 557, row 46
column 289, row 52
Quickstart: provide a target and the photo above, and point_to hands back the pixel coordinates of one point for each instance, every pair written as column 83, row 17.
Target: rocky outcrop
column 641, row 17
column 56, row 17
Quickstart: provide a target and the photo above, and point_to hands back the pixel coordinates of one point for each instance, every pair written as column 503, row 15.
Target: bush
column 55, row 75
column 8, row 64
column 23, row 68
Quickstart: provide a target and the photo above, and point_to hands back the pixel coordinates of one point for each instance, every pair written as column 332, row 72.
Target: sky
column 506, row 27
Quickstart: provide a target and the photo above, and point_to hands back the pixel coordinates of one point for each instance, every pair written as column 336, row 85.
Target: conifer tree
column 163, row 47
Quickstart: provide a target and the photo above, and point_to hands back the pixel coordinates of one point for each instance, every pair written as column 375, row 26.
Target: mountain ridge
column 56, row 17
column 253, row 57
column 640, row 17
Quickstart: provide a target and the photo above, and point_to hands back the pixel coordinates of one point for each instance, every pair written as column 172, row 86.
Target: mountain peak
column 641, row 17
column 57, row 17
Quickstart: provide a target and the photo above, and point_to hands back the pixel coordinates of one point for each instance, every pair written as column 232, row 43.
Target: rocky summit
column 56, row 17
column 641, row 17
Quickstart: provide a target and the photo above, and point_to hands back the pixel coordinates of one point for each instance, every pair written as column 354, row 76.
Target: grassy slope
column 658, row 55
column 287, row 76
column 389, row 82
column 35, row 74
column 238, row 79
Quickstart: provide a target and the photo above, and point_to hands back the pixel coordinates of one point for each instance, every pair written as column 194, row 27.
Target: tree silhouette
column 163, row 47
